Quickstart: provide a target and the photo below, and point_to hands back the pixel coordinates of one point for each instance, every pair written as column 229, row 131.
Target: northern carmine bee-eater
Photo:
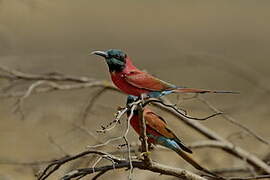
column 131, row 80
column 158, row 132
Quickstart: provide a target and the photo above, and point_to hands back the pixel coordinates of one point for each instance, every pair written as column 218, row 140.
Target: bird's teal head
column 116, row 59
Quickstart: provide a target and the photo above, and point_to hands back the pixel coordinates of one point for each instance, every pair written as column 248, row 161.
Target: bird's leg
column 142, row 155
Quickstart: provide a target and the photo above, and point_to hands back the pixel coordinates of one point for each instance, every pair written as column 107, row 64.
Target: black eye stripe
column 120, row 57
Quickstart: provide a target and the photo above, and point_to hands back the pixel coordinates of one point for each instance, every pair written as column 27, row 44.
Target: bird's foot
column 144, row 154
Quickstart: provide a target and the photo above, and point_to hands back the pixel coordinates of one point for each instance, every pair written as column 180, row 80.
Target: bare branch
column 143, row 136
column 251, row 178
column 14, row 74
column 90, row 104
column 233, row 121
column 179, row 111
column 127, row 143
column 230, row 170
column 51, row 168
column 52, row 86
column 47, row 83
column 251, row 159
column 155, row 167
column 99, row 174
column 117, row 119
column 19, row 103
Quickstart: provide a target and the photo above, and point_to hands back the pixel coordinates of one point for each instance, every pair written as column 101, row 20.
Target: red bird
column 132, row 81
column 158, row 132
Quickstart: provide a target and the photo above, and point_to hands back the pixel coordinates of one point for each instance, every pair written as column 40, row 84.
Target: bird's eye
column 118, row 56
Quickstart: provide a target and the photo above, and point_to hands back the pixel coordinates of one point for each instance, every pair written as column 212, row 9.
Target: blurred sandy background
column 205, row 44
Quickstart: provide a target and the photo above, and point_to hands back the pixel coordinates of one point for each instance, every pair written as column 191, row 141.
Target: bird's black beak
column 101, row 53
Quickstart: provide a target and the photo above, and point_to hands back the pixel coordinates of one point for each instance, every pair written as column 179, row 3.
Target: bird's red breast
column 135, row 82
column 119, row 79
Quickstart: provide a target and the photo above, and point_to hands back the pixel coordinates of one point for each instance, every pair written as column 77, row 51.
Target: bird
column 158, row 132
column 130, row 80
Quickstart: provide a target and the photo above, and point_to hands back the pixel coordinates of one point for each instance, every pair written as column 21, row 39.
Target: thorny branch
column 57, row 81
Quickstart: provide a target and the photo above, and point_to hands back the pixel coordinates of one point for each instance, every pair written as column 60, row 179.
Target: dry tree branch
column 230, row 170
column 228, row 147
column 19, row 103
column 118, row 163
column 16, row 163
column 116, row 120
column 52, row 86
column 99, row 174
column 57, row 146
column 82, row 82
column 56, row 76
column 143, row 136
column 90, row 103
column 127, row 143
column 129, row 163
column 155, row 167
column 55, row 165
column 251, row 159
column 233, row 121
column 86, row 131
column 251, row 178
column 175, row 108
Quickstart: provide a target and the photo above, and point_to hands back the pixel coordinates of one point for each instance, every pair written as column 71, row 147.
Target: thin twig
column 230, row 170
column 55, row 165
column 52, row 86
column 251, row 159
column 127, row 142
column 90, row 104
column 116, row 120
column 19, row 103
column 86, row 83
column 155, row 167
column 235, row 150
column 143, row 136
column 177, row 110
column 59, row 148
column 233, row 121
column 15, row 74
column 251, row 178
column 99, row 174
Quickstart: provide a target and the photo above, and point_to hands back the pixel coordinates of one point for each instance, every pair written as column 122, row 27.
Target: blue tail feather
column 170, row 143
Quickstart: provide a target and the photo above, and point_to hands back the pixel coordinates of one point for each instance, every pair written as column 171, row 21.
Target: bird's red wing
column 146, row 81
column 159, row 125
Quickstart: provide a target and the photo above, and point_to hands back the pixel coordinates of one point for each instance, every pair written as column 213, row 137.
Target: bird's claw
column 144, row 154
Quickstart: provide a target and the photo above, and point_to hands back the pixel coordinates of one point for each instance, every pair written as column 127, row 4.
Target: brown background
column 205, row 44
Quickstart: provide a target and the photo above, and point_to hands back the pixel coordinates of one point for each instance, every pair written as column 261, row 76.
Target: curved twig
column 178, row 111
column 240, row 153
column 233, row 121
